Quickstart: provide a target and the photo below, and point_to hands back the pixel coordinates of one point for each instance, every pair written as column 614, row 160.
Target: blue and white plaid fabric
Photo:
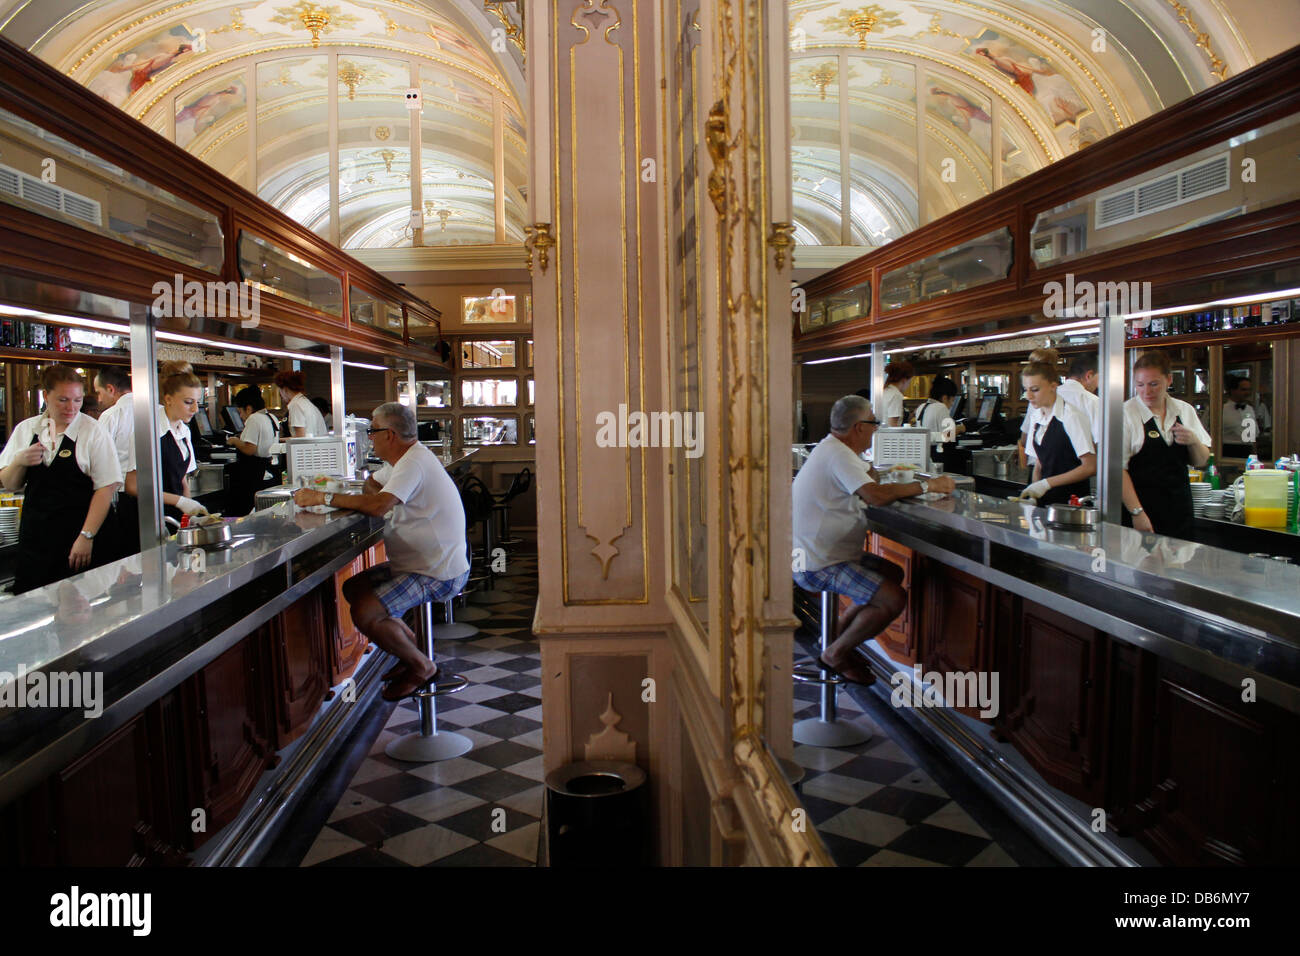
column 401, row 592
column 857, row 580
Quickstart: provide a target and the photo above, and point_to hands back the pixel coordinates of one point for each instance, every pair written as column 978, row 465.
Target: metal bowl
column 1072, row 517
column 204, row 536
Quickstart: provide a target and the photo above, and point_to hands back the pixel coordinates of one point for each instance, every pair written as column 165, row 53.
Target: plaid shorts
column 857, row 580
column 400, row 592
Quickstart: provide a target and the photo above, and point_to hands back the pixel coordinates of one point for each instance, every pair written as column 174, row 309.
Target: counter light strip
column 1238, row 300
column 98, row 326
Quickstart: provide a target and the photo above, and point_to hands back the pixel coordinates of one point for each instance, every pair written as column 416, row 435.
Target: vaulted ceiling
column 904, row 111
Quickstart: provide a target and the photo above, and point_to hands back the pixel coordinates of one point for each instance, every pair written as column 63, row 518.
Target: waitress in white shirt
column 1162, row 436
column 305, row 419
column 1060, row 439
column 66, row 464
column 181, row 391
column 253, row 447
column 890, row 407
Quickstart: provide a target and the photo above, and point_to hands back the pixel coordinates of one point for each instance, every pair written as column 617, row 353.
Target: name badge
column 1153, row 434
column 66, row 453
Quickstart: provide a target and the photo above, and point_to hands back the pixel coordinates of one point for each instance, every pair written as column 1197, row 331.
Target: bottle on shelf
column 1212, row 474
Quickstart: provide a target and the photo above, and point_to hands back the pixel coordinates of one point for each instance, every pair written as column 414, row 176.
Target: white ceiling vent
column 16, row 183
column 1202, row 178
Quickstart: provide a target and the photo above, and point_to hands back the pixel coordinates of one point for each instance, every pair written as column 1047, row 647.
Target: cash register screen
column 201, row 420
column 233, row 418
column 988, row 408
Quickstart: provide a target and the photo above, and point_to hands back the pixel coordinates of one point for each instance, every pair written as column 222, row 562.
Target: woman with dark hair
column 1162, row 436
column 897, row 377
column 305, row 419
column 68, row 469
column 181, row 391
column 253, row 451
column 934, row 410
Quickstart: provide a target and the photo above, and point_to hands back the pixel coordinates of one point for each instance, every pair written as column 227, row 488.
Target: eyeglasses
column 371, row 431
column 867, row 421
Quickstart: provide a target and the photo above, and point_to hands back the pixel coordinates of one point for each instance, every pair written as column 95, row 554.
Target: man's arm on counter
column 874, row 493
column 376, row 505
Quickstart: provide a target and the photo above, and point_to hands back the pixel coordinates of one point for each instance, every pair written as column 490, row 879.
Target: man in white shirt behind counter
column 424, row 538
column 830, row 533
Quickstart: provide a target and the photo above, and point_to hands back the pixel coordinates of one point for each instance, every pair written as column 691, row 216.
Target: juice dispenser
column 1266, row 498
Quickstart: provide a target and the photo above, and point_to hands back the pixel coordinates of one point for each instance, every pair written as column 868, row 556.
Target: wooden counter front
column 1177, row 759
column 172, row 776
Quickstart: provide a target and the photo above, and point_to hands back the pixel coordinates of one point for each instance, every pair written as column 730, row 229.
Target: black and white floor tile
column 878, row 804
column 482, row 809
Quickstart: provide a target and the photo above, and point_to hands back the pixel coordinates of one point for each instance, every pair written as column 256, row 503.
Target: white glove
column 1036, row 490
column 191, row 507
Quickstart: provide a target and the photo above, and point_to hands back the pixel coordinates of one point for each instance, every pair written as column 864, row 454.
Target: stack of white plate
column 9, row 525
column 1202, row 496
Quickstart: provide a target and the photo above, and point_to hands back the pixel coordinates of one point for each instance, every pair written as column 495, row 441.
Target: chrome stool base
column 816, row 732
column 416, row 748
column 470, row 614
column 455, row 631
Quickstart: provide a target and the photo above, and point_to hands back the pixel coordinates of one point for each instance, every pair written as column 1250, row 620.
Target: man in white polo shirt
column 830, row 533
column 424, row 538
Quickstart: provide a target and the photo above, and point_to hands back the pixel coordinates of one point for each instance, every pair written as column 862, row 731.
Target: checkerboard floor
column 879, row 803
column 482, row 809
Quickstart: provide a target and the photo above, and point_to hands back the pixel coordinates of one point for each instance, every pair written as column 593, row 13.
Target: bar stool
column 478, row 509
column 828, row 729
column 501, row 508
column 427, row 745
column 452, row 629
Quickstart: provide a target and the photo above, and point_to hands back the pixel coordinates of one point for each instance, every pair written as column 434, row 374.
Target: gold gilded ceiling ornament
column 822, row 77
column 715, row 137
column 538, row 237
column 781, row 239
column 859, row 22
column 382, row 133
column 387, row 155
column 514, row 31
column 315, row 19
column 1217, row 66
column 588, row 8
column 350, row 75
column 236, row 24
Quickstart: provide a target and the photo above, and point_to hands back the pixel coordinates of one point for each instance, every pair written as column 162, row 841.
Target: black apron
column 56, row 500
column 246, row 478
column 1159, row 475
column 127, row 521
column 174, row 465
column 1055, row 453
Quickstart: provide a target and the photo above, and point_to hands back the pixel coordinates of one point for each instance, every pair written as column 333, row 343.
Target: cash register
column 209, row 443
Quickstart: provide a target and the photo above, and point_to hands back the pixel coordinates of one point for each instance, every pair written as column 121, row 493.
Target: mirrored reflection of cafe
column 1121, row 650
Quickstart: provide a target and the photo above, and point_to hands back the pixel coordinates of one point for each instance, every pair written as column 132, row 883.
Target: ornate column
column 660, row 252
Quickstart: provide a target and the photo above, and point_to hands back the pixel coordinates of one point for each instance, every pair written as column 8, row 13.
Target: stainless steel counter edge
column 1209, row 630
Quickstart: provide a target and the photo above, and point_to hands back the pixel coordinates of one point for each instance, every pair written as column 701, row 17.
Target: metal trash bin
column 598, row 814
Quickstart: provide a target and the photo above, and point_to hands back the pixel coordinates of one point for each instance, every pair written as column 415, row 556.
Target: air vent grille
column 1201, row 179
column 16, row 183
